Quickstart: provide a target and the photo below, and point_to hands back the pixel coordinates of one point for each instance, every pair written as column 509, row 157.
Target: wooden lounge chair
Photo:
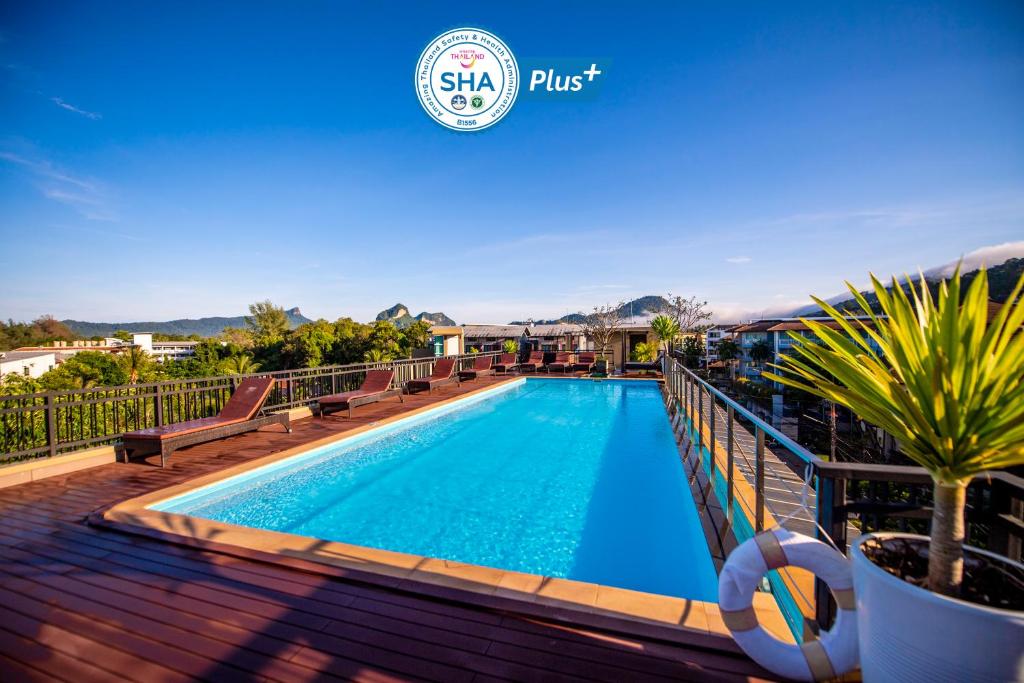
column 376, row 387
column 481, row 368
column 444, row 373
column 639, row 366
column 585, row 361
column 238, row 415
column 562, row 362
column 506, row 364
column 533, row 363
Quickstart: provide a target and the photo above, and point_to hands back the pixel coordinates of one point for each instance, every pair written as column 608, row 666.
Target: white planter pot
column 910, row 634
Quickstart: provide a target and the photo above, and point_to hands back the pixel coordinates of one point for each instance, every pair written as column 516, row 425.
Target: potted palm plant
column 948, row 383
column 666, row 330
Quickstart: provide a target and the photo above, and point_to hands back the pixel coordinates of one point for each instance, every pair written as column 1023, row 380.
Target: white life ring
column 835, row 652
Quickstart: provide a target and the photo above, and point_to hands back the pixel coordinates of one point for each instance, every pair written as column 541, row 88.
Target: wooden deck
column 80, row 603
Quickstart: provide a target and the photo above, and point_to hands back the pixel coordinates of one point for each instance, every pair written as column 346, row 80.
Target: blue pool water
column 567, row 478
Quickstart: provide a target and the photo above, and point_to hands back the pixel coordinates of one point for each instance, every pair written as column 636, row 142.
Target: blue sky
column 186, row 160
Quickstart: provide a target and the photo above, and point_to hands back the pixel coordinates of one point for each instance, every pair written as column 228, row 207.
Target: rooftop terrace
column 81, row 602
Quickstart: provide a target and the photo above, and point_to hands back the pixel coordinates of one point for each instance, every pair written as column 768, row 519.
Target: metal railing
column 51, row 423
column 763, row 478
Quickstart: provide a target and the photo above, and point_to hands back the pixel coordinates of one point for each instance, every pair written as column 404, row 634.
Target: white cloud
column 86, row 196
column 738, row 259
column 70, row 107
column 989, row 256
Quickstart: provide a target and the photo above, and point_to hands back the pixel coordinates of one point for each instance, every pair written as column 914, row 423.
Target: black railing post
column 51, row 424
column 759, row 481
column 729, row 460
column 158, row 405
column 291, row 391
column 700, row 421
column 830, row 499
column 711, row 440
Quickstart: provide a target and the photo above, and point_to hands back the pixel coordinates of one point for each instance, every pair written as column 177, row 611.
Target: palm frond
column 932, row 371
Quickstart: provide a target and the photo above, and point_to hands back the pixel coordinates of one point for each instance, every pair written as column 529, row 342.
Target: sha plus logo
column 467, row 79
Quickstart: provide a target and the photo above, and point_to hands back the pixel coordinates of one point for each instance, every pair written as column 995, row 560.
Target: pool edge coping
column 565, row 600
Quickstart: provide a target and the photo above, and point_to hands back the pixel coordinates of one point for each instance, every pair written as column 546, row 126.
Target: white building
column 164, row 350
column 27, row 363
column 712, row 336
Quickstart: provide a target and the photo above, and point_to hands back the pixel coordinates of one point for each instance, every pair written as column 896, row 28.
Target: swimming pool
column 564, row 478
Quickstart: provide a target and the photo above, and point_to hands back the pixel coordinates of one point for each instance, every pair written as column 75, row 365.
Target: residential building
column 712, row 336
column 160, row 350
column 493, row 337
column 559, row 337
column 447, row 340
column 27, row 363
column 775, row 332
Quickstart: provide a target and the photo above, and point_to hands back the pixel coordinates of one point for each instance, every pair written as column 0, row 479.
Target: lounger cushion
column 247, row 399
column 182, row 428
column 345, row 397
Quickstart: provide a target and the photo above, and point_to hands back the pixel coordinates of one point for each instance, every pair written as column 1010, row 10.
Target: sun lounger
column 376, row 387
column 562, row 362
column 443, row 374
column 481, row 368
column 239, row 415
column 533, row 363
column 585, row 361
column 638, row 366
column 507, row 363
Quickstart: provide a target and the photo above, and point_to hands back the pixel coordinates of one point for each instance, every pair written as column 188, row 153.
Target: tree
column 385, row 338
column 946, row 382
column 761, row 351
column 728, row 351
column 689, row 314
column 352, row 341
column 376, row 355
column 84, row 370
column 42, row 330
column 693, row 351
column 415, row 336
column 136, row 364
column 510, row 346
column 666, row 329
column 267, row 323
column 237, row 336
column 310, row 344
column 242, row 364
column 602, row 324
column 643, row 353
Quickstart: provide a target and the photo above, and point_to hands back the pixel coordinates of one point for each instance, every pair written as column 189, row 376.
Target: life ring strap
column 817, row 660
column 845, row 598
column 771, row 550
column 740, row 619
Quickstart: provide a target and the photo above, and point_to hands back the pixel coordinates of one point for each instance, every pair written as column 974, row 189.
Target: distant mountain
column 204, row 327
column 400, row 316
column 1001, row 280
column 644, row 306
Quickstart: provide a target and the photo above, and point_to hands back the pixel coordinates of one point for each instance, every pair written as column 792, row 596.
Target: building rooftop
column 23, row 355
column 495, row 331
column 555, row 330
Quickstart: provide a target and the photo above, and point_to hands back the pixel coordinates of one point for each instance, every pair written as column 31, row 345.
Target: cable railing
column 763, row 478
column 47, row 424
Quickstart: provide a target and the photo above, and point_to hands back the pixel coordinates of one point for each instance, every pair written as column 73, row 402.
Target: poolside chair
column 562, row 362
column 639, row 366
column 533, row 363
column 481, row 368
column 585, row 361
column 443, row 373
column 376, row 386
column 239, row 415
column 506, row 364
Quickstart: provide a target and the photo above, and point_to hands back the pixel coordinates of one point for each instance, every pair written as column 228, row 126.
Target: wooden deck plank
column 84, row 604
